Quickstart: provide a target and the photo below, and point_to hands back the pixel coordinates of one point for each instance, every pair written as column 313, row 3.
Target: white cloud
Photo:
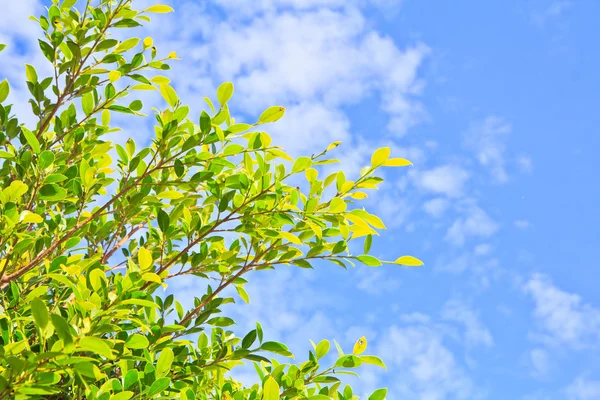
column 436, row 207
column 583, row 389
column 564, row 319
column 447, row 179
column 487, row 139
column 525, row 165
column 540, row 362
column 475, row 332
column 426, row 367
column 521, row 224
column 313, row 57
column 475, row 222
column 483, row 249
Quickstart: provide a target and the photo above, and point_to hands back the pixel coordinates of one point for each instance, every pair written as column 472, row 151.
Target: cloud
column 483, row 249
column 521, row 224
column 563, row 318
column 436, row 207
column 474, row 222
column 424, row 367
column 447, row 179
column 475, row 332
column 583, row 389
column 487, row 139
column 313, row 57
column 540, row 362
column 525, row 165
column 552, row 13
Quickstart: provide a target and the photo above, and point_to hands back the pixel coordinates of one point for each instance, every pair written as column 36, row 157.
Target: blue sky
column 495, row 102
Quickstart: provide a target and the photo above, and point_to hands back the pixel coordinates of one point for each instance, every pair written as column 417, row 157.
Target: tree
column 87, row 242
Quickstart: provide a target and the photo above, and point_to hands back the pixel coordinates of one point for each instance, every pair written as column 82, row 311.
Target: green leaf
column 2, row 47
column 277, row 348
column 62, row 328
column 66, row 4
column 369, row 260
column 205, row 123
column 165, row 359
column 270, row 389
column 163, row 220
column 30, row 73
column 137, row 341
column 271, row 114
column 301, row 164
column 4, row 90
column 368, row 242
column 87, row 103
column 169, row 94
column 373, row 360
column 322, row 348
column 224, row 92
column 40, row 313
column 31, row 140
column 159, row 8
column 45, row 159
column 126, row 45
column 379, row 394
column 220, row 321
column 126, row 395
column 409, row 261
column 380, row 156
column 158, row 386
column 51, row 192
column 6, row 155
column 349, row 361
column 96, row 345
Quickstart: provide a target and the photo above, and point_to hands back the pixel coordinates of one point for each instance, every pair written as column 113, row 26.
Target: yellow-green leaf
column 290, row 237
column 96, row 345
column 127, row 45
column 114, row 76
column 30, row 73
column 409, row 261
column 170, row 194
column 373, row 360
column 224, row 92
column 143, row 86
column 152, row 277
column 40, row 313
column 144, row 258
column 159, row 8
column 30, row 217
column 337, row 205
column 271, row 114
column 270, row 389
column 31, row 140
column 87, row 103
column 380, row 156
column 4, row 90
column 169, row 95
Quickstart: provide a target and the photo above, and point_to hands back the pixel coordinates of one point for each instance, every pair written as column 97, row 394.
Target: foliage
column 87, row 242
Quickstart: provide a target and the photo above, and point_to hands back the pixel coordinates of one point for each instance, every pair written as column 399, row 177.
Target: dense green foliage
column 90, row 231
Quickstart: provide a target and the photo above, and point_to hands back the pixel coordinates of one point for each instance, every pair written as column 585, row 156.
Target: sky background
column 495, row 103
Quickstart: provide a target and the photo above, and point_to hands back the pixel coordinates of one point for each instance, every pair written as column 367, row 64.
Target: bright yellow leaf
column 380, row 156
column 360, row 346
column 397, row 162
column 409, row 261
